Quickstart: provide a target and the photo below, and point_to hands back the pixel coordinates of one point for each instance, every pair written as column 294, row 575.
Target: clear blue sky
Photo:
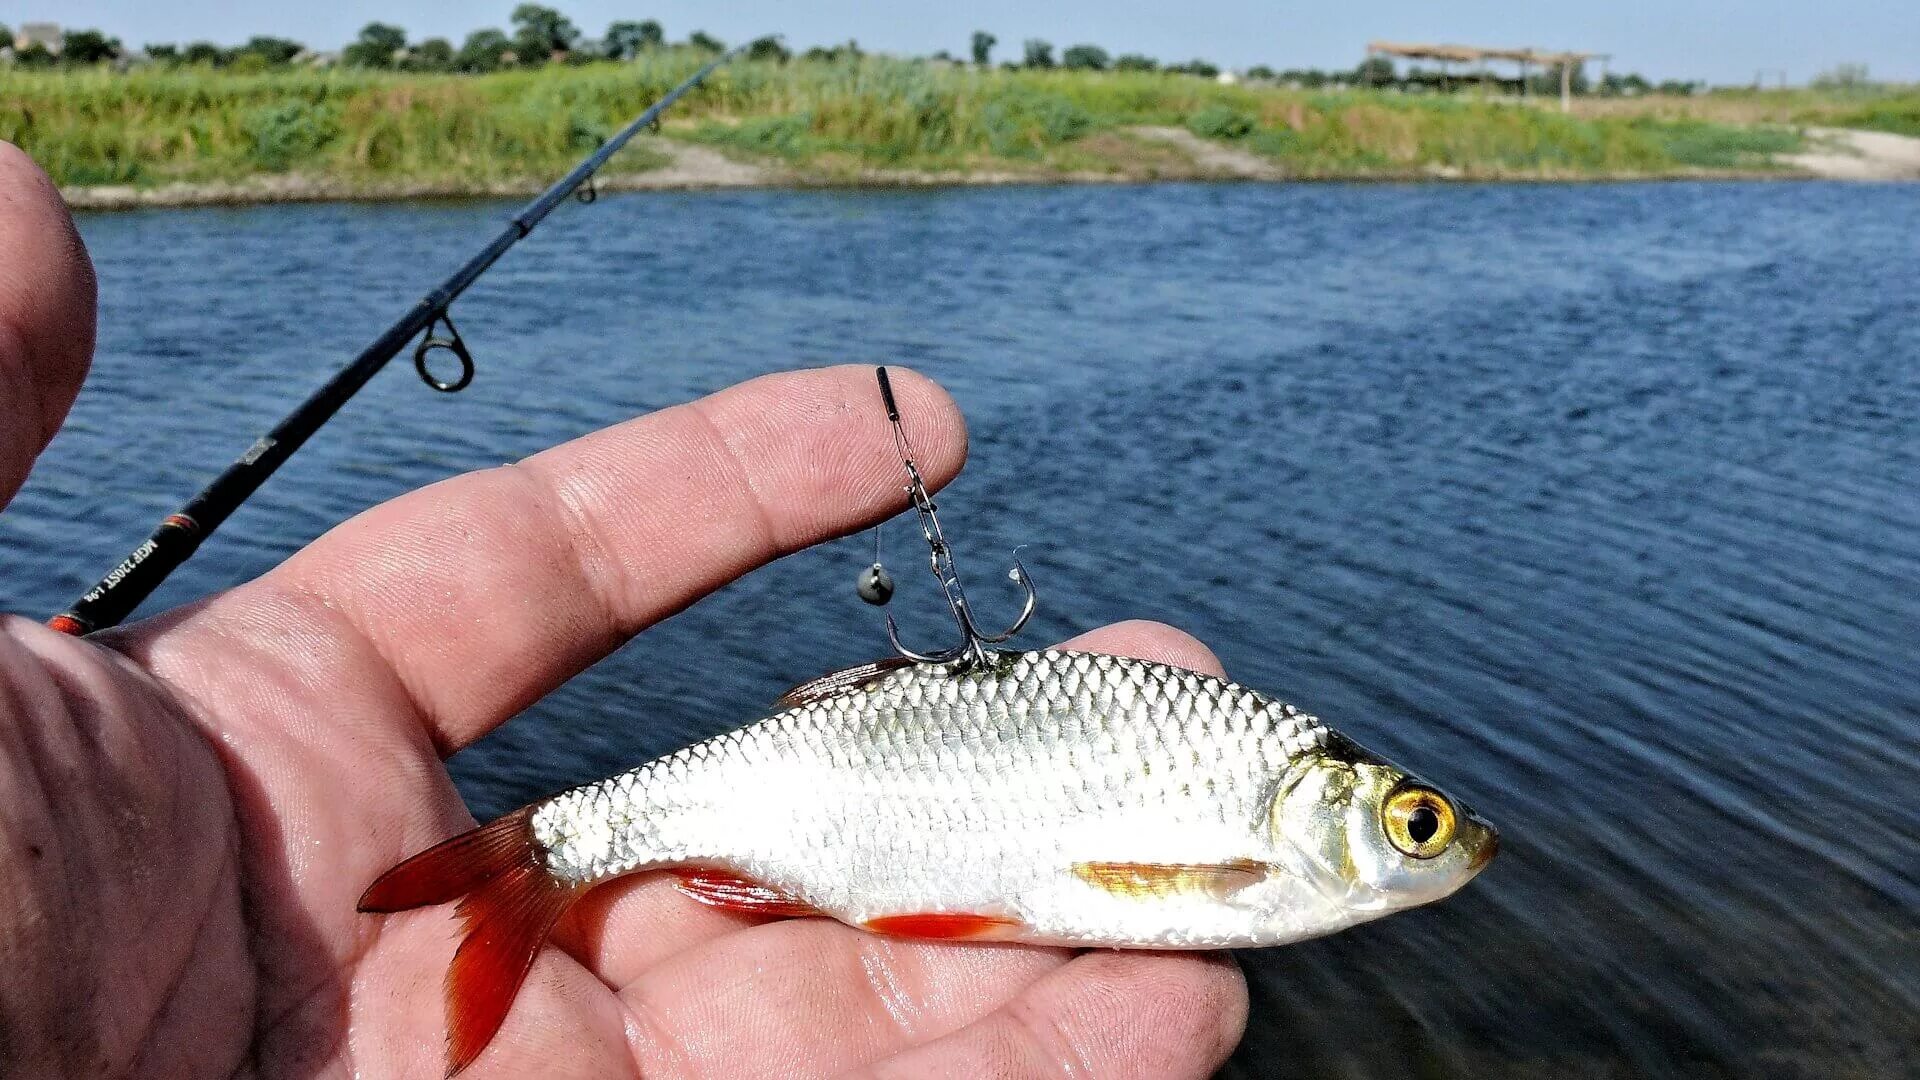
column 1723, row 41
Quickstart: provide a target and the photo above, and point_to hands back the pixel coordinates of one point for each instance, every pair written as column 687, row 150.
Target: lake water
column 1596, row 504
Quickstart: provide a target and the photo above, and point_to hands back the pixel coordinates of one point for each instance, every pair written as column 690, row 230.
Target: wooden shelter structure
column 1472, row 54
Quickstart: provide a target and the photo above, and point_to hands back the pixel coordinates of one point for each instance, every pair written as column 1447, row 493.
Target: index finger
column 47, row 300
column 483, row 592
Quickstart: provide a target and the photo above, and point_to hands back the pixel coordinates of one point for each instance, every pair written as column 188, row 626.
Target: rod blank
column 181, row 533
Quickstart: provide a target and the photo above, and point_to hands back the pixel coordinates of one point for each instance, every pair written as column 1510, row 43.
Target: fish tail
column 509, row 902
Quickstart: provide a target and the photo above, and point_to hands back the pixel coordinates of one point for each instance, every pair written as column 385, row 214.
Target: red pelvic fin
column 718, row 888
column 508, row 903
column 944, row 925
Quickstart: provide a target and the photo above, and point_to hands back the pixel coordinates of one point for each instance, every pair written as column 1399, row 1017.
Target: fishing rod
column 181, row 533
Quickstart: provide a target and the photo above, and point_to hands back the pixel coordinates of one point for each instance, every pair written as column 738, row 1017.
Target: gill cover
column 1373, row 838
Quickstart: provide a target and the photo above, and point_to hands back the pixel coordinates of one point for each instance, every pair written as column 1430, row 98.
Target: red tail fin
column 509, row 903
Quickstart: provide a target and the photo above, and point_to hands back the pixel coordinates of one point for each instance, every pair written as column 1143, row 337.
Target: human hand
column 194, row 803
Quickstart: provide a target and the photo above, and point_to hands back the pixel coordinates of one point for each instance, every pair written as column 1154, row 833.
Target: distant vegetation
column 529, row 99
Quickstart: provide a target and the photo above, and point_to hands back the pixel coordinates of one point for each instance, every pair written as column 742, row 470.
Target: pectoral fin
column 1136, row 879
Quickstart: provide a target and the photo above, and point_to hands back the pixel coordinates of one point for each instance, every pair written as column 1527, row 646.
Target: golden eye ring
column 1419, row 822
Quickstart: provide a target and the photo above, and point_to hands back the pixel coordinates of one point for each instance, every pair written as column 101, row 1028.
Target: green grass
column 151, row 127
column 1901, row 116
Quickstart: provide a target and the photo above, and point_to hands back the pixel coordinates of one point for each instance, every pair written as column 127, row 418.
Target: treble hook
column 588, row 192
column 453, row 344
column 876, row 587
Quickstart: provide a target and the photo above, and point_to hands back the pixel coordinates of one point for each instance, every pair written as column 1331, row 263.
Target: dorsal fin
column 839, row 682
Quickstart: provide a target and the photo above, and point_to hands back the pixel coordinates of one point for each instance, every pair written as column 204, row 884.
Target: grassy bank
column 850, row 119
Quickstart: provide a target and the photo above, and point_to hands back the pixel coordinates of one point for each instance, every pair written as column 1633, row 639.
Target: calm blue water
column 1596, row 504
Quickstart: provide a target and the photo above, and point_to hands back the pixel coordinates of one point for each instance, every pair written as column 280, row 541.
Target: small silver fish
column 1057, row 798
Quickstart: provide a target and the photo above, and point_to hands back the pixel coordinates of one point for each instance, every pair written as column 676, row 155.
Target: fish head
column 1371, row 838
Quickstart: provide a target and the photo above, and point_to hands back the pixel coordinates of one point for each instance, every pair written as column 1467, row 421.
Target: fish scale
column 1007, row 778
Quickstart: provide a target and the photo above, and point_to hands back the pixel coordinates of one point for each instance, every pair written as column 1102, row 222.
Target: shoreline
column 1840, row 155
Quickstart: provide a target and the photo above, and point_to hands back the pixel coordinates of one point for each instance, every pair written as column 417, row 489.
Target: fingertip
column 47, row 306
column 935, row 427
column 1144, row 639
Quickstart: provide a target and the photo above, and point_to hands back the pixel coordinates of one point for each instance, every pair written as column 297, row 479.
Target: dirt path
column 1211, row 158
column 692, row 166
column 688, row 166
column 1839, row 154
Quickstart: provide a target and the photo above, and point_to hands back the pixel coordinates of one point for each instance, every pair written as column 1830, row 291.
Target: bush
column 1084, row 58
column 1020, row 122
column 1716, row 146
column 1901, row 117
column 285, row 133
column 786, row 136
column 1220, row 122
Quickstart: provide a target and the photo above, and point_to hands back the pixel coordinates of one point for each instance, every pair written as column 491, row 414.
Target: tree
column 769, row 48
column 1260, row 72
column 849, row 51
column 162, row 54
column 204, row 52
column 1843, row 77
column 983, row 44
column 1039, row 53
column 1195, row 66
column 540, row 32
column 35, row 55
column 706, row 42
column 627, row 39
column 84, row 48
column 1136, row 62
column 1375, row 71
column 1084, row 58
column 376, row 46
column 273, row 51
column 483, row 51
column 433, row 54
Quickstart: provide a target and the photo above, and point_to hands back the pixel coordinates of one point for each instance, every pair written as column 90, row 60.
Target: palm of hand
column 195, row 802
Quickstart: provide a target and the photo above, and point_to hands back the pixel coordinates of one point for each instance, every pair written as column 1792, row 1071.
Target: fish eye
column 1419, row 822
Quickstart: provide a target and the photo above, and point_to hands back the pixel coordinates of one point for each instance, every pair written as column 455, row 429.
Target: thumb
column 47, row 308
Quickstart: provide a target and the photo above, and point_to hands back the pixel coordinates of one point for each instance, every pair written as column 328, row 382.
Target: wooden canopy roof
column 1467, row 54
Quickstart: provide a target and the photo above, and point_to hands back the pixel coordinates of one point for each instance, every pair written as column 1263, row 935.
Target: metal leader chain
column 876, row 585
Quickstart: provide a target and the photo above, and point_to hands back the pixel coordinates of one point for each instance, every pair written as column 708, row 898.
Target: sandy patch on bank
column 1840, row 154
column 1211, row 158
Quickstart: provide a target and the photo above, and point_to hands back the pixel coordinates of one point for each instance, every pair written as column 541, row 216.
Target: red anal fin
column 1220, row 879
column 839, row 682
column 944, row 925
column 509, row 905
column 718, row 888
